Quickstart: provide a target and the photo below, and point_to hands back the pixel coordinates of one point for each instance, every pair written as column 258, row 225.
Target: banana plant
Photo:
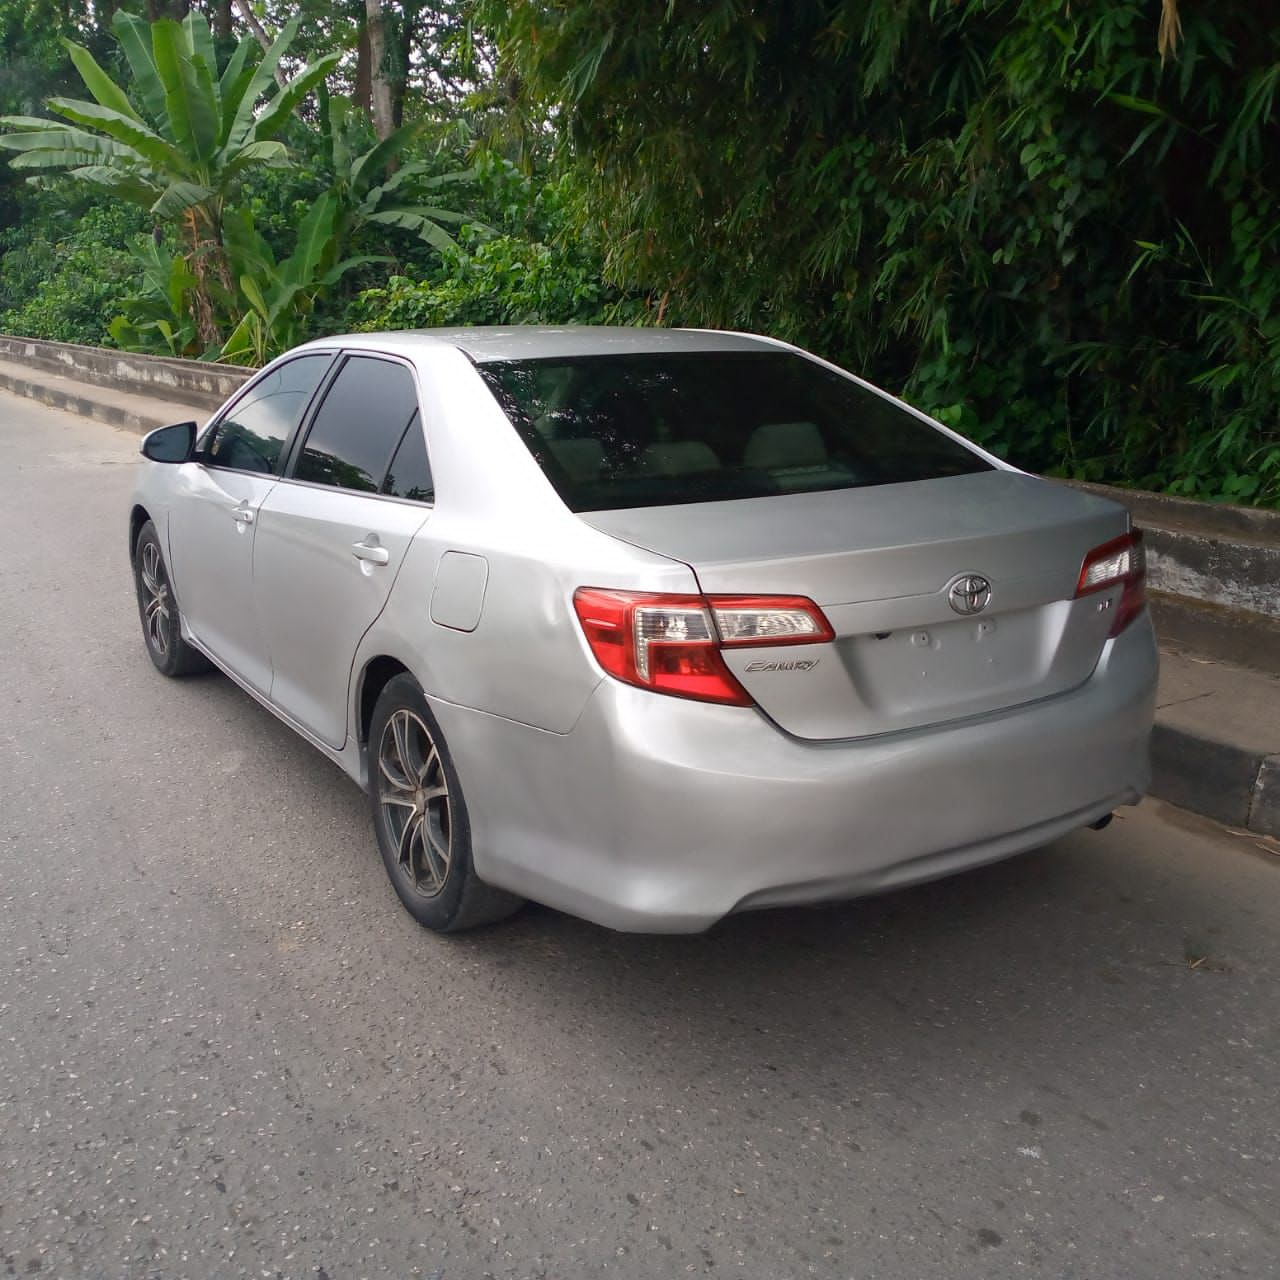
column 282, row 296
column 179, row 138
column 158, row 319
column 372, row 185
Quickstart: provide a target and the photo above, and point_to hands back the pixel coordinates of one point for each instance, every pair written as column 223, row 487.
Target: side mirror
column 170, row 444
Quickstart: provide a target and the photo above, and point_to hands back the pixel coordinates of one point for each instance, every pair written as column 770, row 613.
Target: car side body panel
column 317, row 597
column 212, row 527
column 525, row 659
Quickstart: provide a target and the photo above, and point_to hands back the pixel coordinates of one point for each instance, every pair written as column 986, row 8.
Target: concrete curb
column 100, row 410
column 1265, row 814
column 1216, row 779
column 1231, row 635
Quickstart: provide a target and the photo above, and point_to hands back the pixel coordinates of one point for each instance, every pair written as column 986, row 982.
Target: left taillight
column 671, row 643
column 1121, row 562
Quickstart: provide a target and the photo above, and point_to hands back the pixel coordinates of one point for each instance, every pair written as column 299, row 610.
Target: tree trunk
column 362, row 94
column 407, row 33
column 104, row 13
column 222, row 20
column 251, row 21
column 202, row 310
column 379, row 84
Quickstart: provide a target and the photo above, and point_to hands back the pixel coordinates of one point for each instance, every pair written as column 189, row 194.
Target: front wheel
column 421, row 819
column 158, row 610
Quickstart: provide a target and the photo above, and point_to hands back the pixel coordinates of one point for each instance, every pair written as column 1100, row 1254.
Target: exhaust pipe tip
column 1102, row 823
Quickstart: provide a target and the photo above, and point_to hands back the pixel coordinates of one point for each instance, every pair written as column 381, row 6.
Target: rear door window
column 359, row 425
column 409, row 475
column 656, row 429
column 251, row 435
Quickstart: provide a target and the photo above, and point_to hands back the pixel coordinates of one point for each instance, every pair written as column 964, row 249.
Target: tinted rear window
column 658, row 429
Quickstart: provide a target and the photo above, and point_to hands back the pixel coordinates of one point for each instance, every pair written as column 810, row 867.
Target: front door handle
column 243, row 514
column 370, row 552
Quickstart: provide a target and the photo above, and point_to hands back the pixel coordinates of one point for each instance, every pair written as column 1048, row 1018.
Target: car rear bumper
column 657, row 814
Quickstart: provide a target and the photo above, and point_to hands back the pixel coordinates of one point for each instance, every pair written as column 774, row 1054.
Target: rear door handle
column 243, row 514
column 371, row 552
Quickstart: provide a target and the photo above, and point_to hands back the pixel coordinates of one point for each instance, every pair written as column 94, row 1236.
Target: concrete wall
column 196, row 382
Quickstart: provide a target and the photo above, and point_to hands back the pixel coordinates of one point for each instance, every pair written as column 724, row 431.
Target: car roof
column 484, row 343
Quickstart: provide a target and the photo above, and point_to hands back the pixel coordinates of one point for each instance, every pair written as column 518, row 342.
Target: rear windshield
column 649, row 430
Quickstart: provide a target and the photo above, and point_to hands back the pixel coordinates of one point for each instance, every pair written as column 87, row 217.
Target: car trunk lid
column 889, row 566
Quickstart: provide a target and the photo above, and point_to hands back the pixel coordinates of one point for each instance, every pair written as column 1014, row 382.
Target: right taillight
column 671, row 643
column 1121, row 562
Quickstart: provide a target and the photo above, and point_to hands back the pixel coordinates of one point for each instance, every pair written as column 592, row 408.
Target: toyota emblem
column 970, row 594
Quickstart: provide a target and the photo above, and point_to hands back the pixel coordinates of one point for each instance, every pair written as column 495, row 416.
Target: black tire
column 158, row 610
column 427, row 851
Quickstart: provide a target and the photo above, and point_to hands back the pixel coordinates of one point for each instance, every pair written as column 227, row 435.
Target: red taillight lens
column 1120, row 562
column 672, row 643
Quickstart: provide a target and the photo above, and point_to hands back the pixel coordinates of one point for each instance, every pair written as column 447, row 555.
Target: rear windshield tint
column 661, row 429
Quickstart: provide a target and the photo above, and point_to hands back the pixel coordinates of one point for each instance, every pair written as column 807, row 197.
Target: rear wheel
column 158, row 610
column 421, row 819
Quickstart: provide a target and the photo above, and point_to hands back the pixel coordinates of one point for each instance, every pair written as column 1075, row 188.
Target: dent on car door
column 212, row 522
column 331, row 536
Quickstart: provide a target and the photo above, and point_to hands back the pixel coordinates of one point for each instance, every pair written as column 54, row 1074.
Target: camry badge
column 969, row 594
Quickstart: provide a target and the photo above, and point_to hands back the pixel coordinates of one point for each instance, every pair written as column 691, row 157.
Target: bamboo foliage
column 1045, row 220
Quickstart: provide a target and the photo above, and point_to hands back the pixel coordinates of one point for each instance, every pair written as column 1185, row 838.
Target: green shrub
column 498, row 280
column 63, row 275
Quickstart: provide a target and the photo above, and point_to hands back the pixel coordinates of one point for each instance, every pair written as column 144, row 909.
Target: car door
column 332, row 534
column 212, row 521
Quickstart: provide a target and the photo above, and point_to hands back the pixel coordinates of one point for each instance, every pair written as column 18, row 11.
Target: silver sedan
column 649, row 625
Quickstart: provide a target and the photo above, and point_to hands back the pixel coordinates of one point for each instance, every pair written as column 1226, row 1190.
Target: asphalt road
column 226, row 1051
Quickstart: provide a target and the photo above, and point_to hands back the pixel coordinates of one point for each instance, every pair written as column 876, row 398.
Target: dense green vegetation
column 1040, row 220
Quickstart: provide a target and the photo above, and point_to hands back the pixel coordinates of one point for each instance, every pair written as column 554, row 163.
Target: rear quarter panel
column 526, row 658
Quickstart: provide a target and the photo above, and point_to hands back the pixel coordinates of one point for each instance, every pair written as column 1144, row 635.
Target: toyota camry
column 649, row 625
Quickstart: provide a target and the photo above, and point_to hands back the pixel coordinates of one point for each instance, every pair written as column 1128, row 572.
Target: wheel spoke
column 392, row 761
column 438, row 854
column 387, row 769
column 152, row 570
column 411, row 831
column 401, row 802
column 404, row 748
column 400, row 728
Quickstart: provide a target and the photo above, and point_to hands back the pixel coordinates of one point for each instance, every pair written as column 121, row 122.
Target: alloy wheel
column 155, row 605
column 413, row 792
